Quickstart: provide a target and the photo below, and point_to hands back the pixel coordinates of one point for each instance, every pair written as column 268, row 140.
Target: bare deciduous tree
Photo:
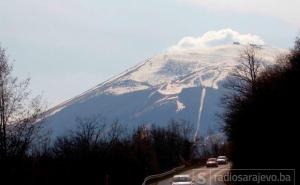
column 245, row 75
column 115, row 132
column 17, row 111
column 90, row 130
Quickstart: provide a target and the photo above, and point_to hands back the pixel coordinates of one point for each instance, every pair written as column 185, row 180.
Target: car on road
column 212, row 162
column 182, row 180
column 222, row 160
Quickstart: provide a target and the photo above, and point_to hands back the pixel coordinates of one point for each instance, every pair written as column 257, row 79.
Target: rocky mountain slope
column 173, row 85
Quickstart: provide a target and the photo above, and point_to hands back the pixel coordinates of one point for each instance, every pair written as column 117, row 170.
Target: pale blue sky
column 69, row 46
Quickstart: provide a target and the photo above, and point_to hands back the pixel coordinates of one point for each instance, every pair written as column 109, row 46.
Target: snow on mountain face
column 174, row 85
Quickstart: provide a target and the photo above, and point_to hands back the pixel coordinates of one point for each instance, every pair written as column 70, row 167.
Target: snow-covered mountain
column 174, row 85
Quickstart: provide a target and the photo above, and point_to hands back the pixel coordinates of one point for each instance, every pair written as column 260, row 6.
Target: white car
column 212, row 162
column 222, row 160
column 182, row 180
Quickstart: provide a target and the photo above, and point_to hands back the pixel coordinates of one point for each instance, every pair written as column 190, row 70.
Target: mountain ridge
column 159, row 83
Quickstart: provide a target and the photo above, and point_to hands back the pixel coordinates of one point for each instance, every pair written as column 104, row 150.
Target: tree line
column 261, row 112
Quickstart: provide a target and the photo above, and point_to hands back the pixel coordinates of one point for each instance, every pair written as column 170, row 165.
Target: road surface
column 203, row 176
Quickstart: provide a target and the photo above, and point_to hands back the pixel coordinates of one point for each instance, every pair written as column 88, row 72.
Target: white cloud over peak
column 215, row 38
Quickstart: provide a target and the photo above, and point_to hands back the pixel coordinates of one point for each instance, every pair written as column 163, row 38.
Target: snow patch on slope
column 180, row 106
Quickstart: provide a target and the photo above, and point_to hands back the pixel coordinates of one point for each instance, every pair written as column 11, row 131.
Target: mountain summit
column 179, row 84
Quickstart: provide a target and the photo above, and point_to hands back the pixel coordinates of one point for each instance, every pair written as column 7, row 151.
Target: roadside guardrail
column 162, row 174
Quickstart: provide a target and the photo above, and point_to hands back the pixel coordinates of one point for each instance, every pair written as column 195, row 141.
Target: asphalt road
column 203, row 176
